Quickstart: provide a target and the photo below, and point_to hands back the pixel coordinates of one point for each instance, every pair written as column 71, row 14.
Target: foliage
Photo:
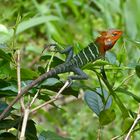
column 29, row 26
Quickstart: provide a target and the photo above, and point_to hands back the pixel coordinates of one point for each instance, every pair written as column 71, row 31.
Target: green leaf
column 3, row 29
column 137, row 68
column 127, row 123
column 96, row 101
column 56, row 61
column 8, row 123
column 99, row 62
column 50, row 82
column 35, row 21
column 5, row 70
column 2, row 46
column 107, row 116
column 31, row 133
column 10, row 89
column 7, row 136
column 4, row 37
column 111, row 57
column 7, row 93
column 54, row 84
column 4, row 55
column 48, row 135
column 26, row 74
column 5, row 34
column 128, row 93
column 3, row 106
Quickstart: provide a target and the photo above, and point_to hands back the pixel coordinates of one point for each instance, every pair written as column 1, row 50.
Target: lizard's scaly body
column 88, row 54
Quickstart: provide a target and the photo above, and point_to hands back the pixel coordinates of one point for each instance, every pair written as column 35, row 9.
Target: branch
column 52, row 100
column 27, row 110
column 19, row 79
column 25, row 90
column 24, row 123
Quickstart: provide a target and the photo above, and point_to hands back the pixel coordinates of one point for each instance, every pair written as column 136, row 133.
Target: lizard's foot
column 69, row 82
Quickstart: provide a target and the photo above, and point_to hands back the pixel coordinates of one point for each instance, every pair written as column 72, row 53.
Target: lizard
column 95, row 50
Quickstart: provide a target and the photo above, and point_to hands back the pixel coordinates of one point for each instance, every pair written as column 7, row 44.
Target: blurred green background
column 35, row 23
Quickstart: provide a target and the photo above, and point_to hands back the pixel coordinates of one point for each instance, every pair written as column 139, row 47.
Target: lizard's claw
column 51, row 48
column 69, row 81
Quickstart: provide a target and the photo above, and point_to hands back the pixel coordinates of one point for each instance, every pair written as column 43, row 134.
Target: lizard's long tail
column 41, row 78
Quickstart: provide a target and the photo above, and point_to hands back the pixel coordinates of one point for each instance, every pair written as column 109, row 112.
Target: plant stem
column 52, row 100
column 19, row 79
column 24, row 123
column 133, row 125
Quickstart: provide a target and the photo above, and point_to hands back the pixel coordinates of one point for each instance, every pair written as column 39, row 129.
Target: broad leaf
column 56, row 61
column 127, row 123
column 31, row 133
column 7, row 124
column 55, row 85
column 4, row 55
column 99, row 62
column 5, row 70
column 35, row 21
column 7, row 93
column 3, row 106
column 48, row 135
column 137, row 68
column 50, row 82
column 96, row 101
column 26, row 74
column 7, row 136
column 111, row 57
column 107, row 116
column 135, row 97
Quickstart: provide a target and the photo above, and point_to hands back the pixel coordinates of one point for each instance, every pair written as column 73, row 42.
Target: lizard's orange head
column 107, row 39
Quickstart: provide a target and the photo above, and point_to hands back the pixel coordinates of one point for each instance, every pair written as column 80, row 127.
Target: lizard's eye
column 114, row 34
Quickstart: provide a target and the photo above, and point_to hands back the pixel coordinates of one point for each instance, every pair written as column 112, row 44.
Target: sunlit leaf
column 128, row 93
column 127, row 123
column 107, row 116
column 35, row 21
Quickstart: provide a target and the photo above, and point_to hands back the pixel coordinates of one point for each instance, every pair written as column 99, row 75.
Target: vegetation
column 97, row 108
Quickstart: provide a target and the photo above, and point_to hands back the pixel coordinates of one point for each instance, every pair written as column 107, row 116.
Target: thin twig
column 34, row 98
column 19, row 79
column 24, row 123
column 52, row 100
column 49, row 64
column 26, row 116
column 133, row 125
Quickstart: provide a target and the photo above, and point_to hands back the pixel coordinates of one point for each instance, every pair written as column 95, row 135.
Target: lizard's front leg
column 68, row 51
column 80, row 75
